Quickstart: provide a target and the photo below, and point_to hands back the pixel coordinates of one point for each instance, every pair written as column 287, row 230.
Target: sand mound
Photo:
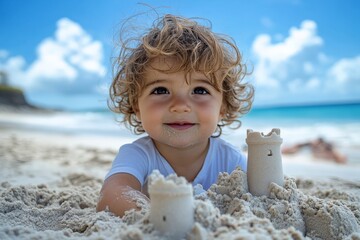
column 300, row 209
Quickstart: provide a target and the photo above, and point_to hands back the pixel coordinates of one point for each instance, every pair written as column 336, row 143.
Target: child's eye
column 200, row 90
column 160, row 90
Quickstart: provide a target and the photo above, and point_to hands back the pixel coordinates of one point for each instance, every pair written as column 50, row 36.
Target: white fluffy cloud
column 346, row 71
column 275, row 61
column 298, row 40
column 68, row 61
column 295, row 67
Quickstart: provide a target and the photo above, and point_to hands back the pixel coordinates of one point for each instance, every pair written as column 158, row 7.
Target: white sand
column 49, row 186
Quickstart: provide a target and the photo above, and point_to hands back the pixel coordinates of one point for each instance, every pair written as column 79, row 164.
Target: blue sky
column 300, row 51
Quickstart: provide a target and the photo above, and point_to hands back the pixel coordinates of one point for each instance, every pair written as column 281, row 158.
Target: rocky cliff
column 14, row 98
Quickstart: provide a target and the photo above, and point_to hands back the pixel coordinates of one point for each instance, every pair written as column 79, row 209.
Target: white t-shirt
column 141, row 157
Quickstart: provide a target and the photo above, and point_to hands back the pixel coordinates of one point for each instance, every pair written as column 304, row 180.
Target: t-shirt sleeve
column 130, row 159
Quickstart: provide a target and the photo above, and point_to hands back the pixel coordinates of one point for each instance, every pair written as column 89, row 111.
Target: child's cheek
column 157, row 105
column 205, row 102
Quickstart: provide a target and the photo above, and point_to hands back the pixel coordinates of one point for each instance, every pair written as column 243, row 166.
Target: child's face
column 175, row 113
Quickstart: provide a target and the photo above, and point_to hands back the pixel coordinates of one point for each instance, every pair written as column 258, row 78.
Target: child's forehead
column 163, row 64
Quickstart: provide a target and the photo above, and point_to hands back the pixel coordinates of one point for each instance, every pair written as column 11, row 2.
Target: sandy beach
column 50, row 183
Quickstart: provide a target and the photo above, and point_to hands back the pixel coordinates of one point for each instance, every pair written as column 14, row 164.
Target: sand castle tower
column 171, row 205
column 264, row 161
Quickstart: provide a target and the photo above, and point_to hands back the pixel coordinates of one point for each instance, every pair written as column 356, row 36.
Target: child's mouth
column 180, row 126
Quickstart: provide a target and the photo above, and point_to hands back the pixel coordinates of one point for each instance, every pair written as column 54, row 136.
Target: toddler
column 180, row 84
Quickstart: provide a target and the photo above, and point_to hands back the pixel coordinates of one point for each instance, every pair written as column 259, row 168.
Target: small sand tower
column 171, row 205
column 264, row 161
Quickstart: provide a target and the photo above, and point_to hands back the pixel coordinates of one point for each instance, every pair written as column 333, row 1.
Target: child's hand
column 120, row 193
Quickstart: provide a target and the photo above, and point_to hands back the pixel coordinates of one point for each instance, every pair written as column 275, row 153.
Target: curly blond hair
column 196, row 48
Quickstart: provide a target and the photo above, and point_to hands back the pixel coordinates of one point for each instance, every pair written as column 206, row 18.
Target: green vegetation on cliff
column 6, row 88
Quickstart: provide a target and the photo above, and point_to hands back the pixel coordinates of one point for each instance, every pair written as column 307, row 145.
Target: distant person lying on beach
column 320, row 149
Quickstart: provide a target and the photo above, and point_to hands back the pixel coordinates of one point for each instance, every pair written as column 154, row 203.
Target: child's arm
column 119, row 194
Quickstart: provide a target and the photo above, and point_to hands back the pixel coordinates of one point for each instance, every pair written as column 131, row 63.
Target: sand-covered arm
column 120, row 193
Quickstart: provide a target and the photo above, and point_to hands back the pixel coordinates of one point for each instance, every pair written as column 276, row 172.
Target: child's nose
column 180, row 104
